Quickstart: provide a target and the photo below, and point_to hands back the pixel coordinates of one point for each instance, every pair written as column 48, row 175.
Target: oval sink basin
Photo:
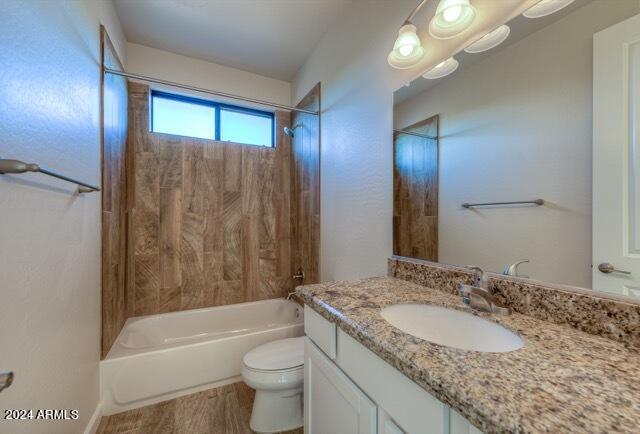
column 452, row 328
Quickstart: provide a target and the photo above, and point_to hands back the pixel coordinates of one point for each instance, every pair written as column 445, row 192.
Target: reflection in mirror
column 516, row 123
column 415, row 186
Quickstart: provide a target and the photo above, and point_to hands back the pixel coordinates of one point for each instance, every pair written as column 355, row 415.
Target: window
column 192, row 117
column 183, row 117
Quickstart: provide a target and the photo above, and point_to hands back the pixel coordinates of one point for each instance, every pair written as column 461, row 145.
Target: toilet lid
column 276, row 355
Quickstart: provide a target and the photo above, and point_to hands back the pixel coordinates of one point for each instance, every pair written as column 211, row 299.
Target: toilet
column 276, row 371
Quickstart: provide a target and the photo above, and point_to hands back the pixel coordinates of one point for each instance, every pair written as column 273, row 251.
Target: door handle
column 6, row 378
column 607, row 268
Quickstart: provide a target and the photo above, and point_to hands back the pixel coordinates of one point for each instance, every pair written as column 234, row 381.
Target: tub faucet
column 479, row 296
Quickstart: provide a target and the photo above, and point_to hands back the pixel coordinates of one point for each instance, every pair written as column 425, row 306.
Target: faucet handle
column 479, row 277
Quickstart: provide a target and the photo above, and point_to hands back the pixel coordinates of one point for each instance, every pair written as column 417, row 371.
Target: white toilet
column 276, row 371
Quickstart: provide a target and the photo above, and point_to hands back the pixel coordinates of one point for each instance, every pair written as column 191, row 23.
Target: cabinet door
column 386, row 425
column 333, row 404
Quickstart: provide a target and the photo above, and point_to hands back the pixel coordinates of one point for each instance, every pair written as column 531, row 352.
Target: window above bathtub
column 193, row 117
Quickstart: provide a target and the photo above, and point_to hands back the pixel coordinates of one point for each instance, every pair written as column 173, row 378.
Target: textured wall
column 196, row 72
column 212, row 220
column 50, row 237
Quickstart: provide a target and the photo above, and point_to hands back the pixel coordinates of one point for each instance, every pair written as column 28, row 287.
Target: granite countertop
column 562, row 380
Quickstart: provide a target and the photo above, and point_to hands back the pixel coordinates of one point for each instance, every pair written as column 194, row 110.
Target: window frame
column 217, row 106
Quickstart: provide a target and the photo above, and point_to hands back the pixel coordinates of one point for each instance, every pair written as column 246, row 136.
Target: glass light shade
column 407, row 51
column 452, row 18
column 546, row 7
column 490, row 40
column 442, row 69
column 451, row 14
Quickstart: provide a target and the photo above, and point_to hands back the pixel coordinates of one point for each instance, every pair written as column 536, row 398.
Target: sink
column 452, row 328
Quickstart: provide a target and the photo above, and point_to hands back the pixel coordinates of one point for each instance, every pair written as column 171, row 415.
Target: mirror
column 543, row 120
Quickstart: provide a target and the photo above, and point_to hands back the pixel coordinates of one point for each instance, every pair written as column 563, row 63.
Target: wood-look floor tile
column 224, row 410
column 191, row 416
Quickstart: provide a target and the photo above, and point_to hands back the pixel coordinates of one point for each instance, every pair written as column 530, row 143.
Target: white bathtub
column 160, row 357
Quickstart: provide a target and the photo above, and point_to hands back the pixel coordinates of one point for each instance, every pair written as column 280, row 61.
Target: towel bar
column 17, row 166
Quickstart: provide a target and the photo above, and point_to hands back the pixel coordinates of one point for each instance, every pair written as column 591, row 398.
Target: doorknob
column 6, row 378
column 607, row 268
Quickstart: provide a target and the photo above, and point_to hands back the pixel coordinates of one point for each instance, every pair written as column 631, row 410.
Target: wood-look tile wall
column 212, row 220
column 415, row 192
column 306, row 189
column 114, row 198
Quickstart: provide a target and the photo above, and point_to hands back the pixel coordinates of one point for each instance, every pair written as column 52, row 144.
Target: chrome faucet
column 512, row 269
column 479, row 295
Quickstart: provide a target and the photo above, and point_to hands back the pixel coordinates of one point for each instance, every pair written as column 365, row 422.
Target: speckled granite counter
column 562, row 381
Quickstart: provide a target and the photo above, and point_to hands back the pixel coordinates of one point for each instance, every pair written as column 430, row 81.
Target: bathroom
column 319, row 216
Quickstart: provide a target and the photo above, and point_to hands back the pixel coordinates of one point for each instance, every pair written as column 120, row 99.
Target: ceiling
column 267, row 37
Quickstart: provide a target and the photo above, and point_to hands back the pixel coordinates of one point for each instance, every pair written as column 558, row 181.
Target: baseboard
column 94, row 422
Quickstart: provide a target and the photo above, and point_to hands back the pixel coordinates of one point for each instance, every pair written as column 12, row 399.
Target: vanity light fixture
column 452, row 18
column 546, row 7
column 442, row 69
column 490, row 40
column 407, row 51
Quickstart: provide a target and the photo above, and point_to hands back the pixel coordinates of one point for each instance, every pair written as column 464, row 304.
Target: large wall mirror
column 524, row 159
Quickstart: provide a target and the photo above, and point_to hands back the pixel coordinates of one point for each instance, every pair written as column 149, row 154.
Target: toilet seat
column 277, row 356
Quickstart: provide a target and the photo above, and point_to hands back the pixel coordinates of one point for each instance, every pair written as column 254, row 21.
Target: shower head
column 289, row 131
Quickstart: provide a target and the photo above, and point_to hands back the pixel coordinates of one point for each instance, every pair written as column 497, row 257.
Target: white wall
column 50, row 238
column 515, row 126
column 357, row 110
column 105, row 10
column 195, row 72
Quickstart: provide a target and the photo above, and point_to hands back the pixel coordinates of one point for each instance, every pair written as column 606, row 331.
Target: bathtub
column 160, row 357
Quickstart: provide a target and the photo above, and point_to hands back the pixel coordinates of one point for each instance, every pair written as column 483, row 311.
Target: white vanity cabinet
column 335, row 404
column 350, row 390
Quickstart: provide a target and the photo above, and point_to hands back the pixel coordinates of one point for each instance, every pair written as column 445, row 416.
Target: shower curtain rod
column 207, row 91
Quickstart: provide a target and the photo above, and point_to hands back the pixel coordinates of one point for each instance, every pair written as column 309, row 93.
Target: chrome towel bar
column 17, row 166
column 518, row 202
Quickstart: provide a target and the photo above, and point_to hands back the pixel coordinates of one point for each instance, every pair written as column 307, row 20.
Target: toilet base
column 277, row 410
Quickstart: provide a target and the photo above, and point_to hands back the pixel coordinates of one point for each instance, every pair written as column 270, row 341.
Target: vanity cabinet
column 348, row 389
column 336, row 405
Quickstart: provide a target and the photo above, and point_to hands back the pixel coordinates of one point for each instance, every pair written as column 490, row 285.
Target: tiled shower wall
column 212, row 221
column 305, row 185
column 115, row 206
column 415, row 191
